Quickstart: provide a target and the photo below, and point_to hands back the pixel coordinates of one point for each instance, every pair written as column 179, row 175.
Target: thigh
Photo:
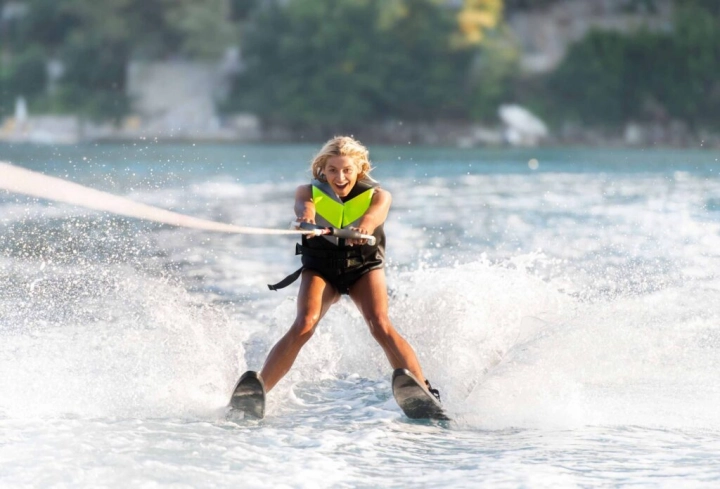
column 369, row 293
column 315, row 296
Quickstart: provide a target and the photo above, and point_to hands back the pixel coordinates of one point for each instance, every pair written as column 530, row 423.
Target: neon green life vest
column 332, row 211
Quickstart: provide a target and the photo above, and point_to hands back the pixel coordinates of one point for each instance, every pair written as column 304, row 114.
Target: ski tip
column 402, row 371
column 251, row 374
column 249, row 395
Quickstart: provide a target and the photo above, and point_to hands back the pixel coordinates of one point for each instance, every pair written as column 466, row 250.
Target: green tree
column 693, row 89
column 709, row 7
column 609, row 77
column 155, row 29
column 22, row 75
column 492, row 75
column 341, row 63
column 95, row 41
column 205, row 28
column 589, row 84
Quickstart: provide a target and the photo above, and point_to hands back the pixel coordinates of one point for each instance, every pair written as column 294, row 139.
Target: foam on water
column 508, row 350
column 506, row 347
column 105, row 341
column 512, row 341
column 570, row 319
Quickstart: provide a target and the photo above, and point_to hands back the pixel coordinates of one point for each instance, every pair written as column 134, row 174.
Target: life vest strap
column 336, row 260
column 287, row 280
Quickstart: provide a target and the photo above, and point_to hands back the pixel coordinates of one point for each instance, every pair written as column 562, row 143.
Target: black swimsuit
column 339, row 264
column 343, row 265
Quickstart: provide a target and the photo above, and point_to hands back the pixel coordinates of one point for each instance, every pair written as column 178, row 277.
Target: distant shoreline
column 68, row 130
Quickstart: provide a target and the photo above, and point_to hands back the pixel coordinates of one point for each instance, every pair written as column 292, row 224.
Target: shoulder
column 304, row 192
column 381, row 195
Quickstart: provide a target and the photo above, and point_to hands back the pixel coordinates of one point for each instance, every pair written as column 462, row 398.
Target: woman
column 341, row 195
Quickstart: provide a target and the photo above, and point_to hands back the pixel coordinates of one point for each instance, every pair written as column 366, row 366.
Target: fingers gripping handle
column 316, row 230
column 350, row 234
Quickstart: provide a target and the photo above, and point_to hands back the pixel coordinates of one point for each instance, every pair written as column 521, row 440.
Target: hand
column 359, row 242
column 310, row 220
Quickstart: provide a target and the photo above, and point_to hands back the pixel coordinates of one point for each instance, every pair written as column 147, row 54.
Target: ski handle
column 331, row 231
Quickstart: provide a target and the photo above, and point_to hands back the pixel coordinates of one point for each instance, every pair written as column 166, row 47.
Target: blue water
column 569, row 314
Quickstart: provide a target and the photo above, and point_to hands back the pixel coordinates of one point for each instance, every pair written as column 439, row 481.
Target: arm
column 376, row 214
column 304, row 206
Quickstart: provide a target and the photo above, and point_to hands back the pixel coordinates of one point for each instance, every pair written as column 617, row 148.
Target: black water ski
column 249, row 395
column 414, row 398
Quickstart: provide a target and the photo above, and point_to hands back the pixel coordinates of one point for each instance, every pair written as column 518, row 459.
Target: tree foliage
column 491, row 75
column 347, row 62
column 609, row 78
column 477, row 17
column 343, row 63
column 95, row 41
column 591, row 79
column 24, row 74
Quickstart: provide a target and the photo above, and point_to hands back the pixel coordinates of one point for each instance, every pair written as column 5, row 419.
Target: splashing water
column 568, row 314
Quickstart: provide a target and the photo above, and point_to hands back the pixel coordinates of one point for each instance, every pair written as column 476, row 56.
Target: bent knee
column 380, row 327
column 303, row 328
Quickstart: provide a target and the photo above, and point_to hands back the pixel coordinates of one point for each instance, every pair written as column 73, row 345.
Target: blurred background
column 465, row 73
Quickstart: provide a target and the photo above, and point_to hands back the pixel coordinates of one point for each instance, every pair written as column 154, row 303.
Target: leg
column 314, row 299
column 370, row 295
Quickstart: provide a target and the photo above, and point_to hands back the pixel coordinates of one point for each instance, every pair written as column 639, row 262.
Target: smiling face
column 341, row 173
column 341, row 162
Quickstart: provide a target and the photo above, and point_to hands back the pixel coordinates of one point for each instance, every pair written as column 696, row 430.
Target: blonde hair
column 342, row 146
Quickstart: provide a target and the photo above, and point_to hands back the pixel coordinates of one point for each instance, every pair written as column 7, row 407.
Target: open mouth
column 341, row 187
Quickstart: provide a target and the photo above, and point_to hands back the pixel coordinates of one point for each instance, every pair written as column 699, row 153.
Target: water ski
column 414, row 398
column 249, row 395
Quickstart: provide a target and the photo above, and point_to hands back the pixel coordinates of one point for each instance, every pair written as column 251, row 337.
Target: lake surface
column 566, row 302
